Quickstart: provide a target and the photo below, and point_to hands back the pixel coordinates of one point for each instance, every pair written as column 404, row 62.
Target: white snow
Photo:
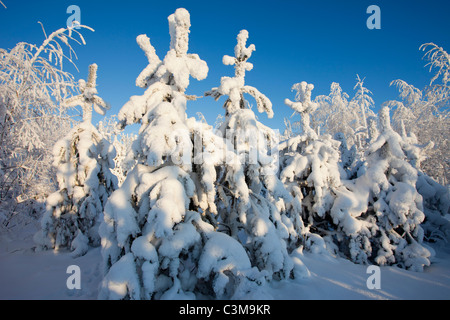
column 25, row 274
column 221, row 214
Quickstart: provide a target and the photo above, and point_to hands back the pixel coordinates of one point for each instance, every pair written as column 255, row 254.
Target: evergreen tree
column 159, row 238
column 397, row 204
column 84, row 160
column 262, row 219
column 312, row 174
column 387, row 209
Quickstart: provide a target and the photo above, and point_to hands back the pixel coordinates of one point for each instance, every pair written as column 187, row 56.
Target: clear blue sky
column 315, row 41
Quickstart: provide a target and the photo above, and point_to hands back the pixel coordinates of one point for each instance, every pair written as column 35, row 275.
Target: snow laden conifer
column 374, row 218
column 260, row 218
column 381, row 209
column 159, row 238
column 83, row 160
column 312, row 174
column 397, row 204
column 349, row 160
column 436, row 197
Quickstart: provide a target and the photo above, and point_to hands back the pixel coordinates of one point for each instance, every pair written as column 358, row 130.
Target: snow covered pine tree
column 263, row 220
column 374, row 218
column 312, row 174
column 83, row 160
column 158, row 236
column 396, row 202
column 385, row 210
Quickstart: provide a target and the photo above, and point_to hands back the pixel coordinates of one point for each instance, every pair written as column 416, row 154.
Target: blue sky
column 315, row 41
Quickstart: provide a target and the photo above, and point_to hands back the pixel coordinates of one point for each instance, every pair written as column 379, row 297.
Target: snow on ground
column 29, row 275
column 342, row 279
column 25, row 274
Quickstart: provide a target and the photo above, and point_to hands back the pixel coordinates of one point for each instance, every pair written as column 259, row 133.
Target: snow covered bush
column 159, row 234
column 334, row 114
column 435, row 197
column 425, row 113
column 436, row 205
column 382, row 207
column 374, row 217
column 84, row 160
column 33, row 86
column 389, row 230
column 422, row 119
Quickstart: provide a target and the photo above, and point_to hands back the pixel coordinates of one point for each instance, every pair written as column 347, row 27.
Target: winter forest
column 179, row 208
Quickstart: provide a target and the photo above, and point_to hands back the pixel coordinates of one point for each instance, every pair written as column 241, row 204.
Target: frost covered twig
column 33, row 86
column 64, row 35
column 364, row 101
column 440, row 59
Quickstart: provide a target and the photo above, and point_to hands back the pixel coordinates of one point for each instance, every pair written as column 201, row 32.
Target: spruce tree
column 83, row 160
column 159, row 235
column 312, row 173
column 397, row 204
column 262, row 219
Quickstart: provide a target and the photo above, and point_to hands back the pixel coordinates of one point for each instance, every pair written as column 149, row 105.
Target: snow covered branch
column 88, row 98
column 235, row 87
